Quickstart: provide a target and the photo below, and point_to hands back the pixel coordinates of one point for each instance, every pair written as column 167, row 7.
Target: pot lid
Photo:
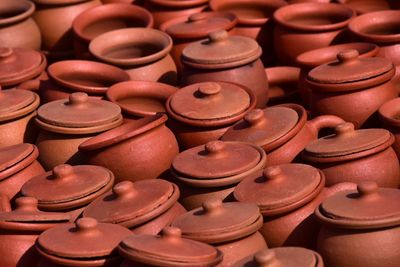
column 16, row 157
column 216, row 159
column 84, row 239
column 132, row 203
column 15, row 103
column 66, row 184
column 280, row 188
column 347, row 140
column 262, row 127
column 368, row 207
column 221, row 51
column 350, row 68
column 217, row 222
column 169, row 248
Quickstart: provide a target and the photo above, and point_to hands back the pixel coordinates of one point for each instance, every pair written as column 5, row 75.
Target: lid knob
column 215, row 148
column 209, row 89
column 124, row 189
column 347, row 55
column 171, row 232
column 212, row 206
column 272, row 173
column 367, row 188
column 255, row 117
column 78, row 98
column 266, row 258
column 62, row 171
column 197, row 17
column 344, row 128
column 218, row 36
column 26, row 204
column 85, row 225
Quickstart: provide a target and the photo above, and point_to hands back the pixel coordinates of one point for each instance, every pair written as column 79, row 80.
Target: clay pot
column 84, row 243
column 70, row 76
column 142, row 53
column 254, row 21
column 314, row 58
column 202, row 112
column 213, row 170
column 164, row 10
column 355, row 155
column 282, row 131
column 366, row 6
column 226, row 58
column 287, row 196
column 309, row 26
column 19, row 230
column 230, row 227
column 389, row 113
column 95, row 21
column 17, row 28
column 352, row 88
column 283, row 84
column 65, row 124
column 18, row 165
column 358, row 222
column 168, row 249
column 140, row 98
column 54, row 18
column 185, row 31
column 145, row 207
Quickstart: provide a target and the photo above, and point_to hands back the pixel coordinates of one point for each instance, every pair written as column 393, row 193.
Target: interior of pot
column 12, row 11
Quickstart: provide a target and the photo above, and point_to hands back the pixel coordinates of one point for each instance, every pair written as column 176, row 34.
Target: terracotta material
column 84, row 243
column 213, row 170
column 309, row 26
column 283, row 84
column 65, row 124
column 95, row 21
column 226, row 58
column 230, row 227
column 202, row 112
column 389, row 114
column 357, row 223
column 70, row 76
column 54, row 18
column 17, row 28
column 352, row 88
column 168, row 249
column 145, row 207
column 367, row 6
column 355, row 155
column 140, row 98
column 282, row 131
column 143, row 53
column 19, row 230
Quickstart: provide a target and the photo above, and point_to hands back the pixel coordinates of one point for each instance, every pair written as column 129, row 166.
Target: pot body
column 43, row 262
column 396, row 133
column 24, row 34
column 18, row 131
column 283, row 85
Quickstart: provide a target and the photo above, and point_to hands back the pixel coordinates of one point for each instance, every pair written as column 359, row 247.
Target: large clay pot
column 389, row 114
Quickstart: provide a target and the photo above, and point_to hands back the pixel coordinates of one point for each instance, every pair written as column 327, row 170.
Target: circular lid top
column 131, row 203
column 262, row 127
column 84, row 239
column 11, row 155
column 280, row 188
column 216, row 159
column 368, row 207
column 217, row 222
column 66, row 183
column 15, row 103
column 347, row 141
column 221, row 51
column 169, row 248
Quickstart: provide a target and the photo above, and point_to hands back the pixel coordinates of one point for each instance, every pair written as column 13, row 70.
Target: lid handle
column 348, row 55
column 6, row 54
column 218, row 36
column 209, row 89
column 266, row 258
column 273, row 173
column 368, row 189
column 26, row 204
column 256, row 117
column 124, row 189
column 212, row 206
column 86, row 225
column 344, row 129
column 215, row 148
column 171, row 232
column 62, row 171
column 77, row 98
column 197, row 17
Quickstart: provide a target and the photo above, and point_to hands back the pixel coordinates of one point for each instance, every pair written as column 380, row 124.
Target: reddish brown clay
column 283, row 84
column 389, row 114
column 366, row 6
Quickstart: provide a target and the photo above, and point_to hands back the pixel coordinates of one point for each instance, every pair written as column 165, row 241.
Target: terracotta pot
column 168, row 249
column 65, row 124
column 140, row 98
column 89, row 244
column 254, row 21
column 19, row 230
column 17, row 28
column 355, row 155
column 226, row 58
column 366, row 6
column 143, row 53
column 282, row 131
column 196, row 113
column 145, row 207
column 70, row 76
column 389, row 113
column 213, row 170
column 309, row 26
column 287, row 196
column 357, row 222
column 98, row 20
column 352, row 88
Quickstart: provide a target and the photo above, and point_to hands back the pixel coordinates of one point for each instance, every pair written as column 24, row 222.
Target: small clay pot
column 143, row 53
column 282, row 131
column 68, row 76
column 145, row 149
column 309, row 26
column 283, row 85
column 17, row 28
column 226, row 58
column 140, row 98
column 389, row 114
column 352, row 155
column 98, row 20
column 145, row 207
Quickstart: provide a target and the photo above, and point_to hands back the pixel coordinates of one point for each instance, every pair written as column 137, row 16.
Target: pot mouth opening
column 390, row 112
column 14, row 11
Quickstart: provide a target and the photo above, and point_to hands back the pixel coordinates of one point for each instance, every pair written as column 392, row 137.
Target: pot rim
column 179, row 4
column 29, row 8
column 388, row 111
